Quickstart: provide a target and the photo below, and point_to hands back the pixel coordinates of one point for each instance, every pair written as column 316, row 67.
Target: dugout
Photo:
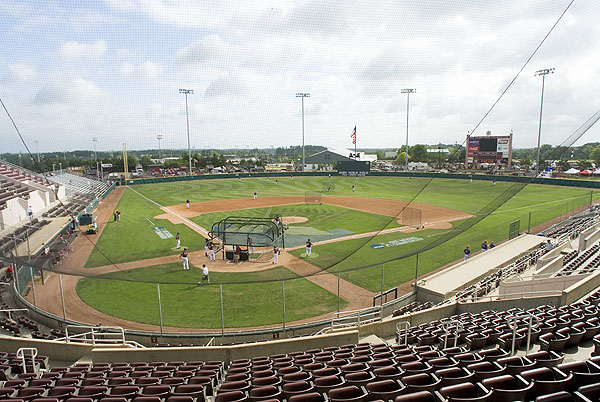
column 237, row 230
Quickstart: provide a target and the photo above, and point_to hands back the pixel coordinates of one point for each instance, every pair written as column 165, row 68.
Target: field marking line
column 541, row 203
column 152, row 223
column 186, row 221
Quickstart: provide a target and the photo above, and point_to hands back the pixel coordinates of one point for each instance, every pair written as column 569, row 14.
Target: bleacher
column 11, row 188
column 79, row 185
column 20, row 235
column 581, row 263
column 21, row 174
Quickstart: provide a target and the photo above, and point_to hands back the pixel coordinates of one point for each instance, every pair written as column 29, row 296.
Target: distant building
column 390, row 154
column 327, row 157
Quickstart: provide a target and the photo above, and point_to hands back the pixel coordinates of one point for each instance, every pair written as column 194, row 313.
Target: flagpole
column 355, row 142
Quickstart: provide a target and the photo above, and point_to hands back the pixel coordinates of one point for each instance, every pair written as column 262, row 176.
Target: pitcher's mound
column 293, row 219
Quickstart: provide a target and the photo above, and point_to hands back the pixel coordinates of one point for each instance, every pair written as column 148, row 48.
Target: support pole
column 62, row 297
column 338, row 294
column 416, row 275
column 529, row 223
column 33, row 286
column 381, row 293
column 160, row 317
column 283, row 305
column 222, row 318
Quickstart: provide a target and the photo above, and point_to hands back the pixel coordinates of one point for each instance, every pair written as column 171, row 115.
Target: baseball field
column 359, row 235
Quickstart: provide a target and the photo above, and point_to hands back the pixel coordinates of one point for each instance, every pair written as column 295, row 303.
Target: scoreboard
column 495, row 150
column 353, row 168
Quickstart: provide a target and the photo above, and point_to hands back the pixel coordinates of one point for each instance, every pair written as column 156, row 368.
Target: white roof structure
column 572, row 171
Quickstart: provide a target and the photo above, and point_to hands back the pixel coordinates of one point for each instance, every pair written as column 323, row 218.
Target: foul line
column 185, row 220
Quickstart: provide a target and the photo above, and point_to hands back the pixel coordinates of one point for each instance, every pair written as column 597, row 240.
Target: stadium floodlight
column 303, row 95
column 159, row 137
column 187, row 92
column 544, row 72
column 37, row 146
column 407, row 91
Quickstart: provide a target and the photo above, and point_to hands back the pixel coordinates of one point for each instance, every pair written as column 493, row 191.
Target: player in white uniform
column 206, row 241
column 178, row 240
column 211, row 251
column 205, row 274
column 184, row 257
column 275, row 255
column 308, row 247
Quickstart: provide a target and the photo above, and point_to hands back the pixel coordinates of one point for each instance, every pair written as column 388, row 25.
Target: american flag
column 353, row 136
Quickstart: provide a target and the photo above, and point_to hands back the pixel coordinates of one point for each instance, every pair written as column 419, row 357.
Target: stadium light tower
column 38, row 149
column 407, row 91
column 303, row 95
column 95, row 139
column 187, row 92
column 159, row 137
column 544, row 72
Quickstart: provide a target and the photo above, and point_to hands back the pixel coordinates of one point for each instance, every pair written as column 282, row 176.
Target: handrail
column 13, row 310
column 402, row 326
column 512, row 324
column 447, row 326
column 95, row 330
column 21, row 355
column 211, row 341
column 368, row 315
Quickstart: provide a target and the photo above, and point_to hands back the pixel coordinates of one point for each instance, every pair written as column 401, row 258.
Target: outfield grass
column 186, row 304
column 543, row 203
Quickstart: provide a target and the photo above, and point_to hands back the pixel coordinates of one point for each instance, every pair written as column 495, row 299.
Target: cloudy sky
column 73, row 70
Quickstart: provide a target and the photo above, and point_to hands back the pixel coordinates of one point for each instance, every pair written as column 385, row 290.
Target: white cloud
column 75, row 51
column 22, row 72
column 148, row 70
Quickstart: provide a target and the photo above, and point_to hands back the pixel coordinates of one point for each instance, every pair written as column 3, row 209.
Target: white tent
column 597, row 171
column 572, row 171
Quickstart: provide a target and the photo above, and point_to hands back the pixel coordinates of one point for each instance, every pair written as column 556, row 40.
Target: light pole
column 543, row 73
column 187, row 92
column 95, row 139
column 303, row 95
column 38, row 149
column 407, row 91
column 159, row 137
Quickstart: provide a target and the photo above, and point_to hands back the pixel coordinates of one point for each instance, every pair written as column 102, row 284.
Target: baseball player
column 178, row 241
column 467, row 252
column 204, row 274
column 254, row 196
column 184, row 257
column 187, row 204
column 250, row 245
column 484, row 246
column 206, row 241
column 353, row 188
column 211, row 251
column 275, row 255
column 308, row 247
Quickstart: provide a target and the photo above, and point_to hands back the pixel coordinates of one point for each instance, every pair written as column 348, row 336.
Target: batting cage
column 313, row 197
column 252, row 234
column 411, row 217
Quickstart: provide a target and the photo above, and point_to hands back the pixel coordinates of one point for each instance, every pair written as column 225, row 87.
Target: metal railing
column 448, row 327
column 98, row 335
column 9, row 311
column 402, row 331
column 513, row 324
column 356, row 318
column 22, row 355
